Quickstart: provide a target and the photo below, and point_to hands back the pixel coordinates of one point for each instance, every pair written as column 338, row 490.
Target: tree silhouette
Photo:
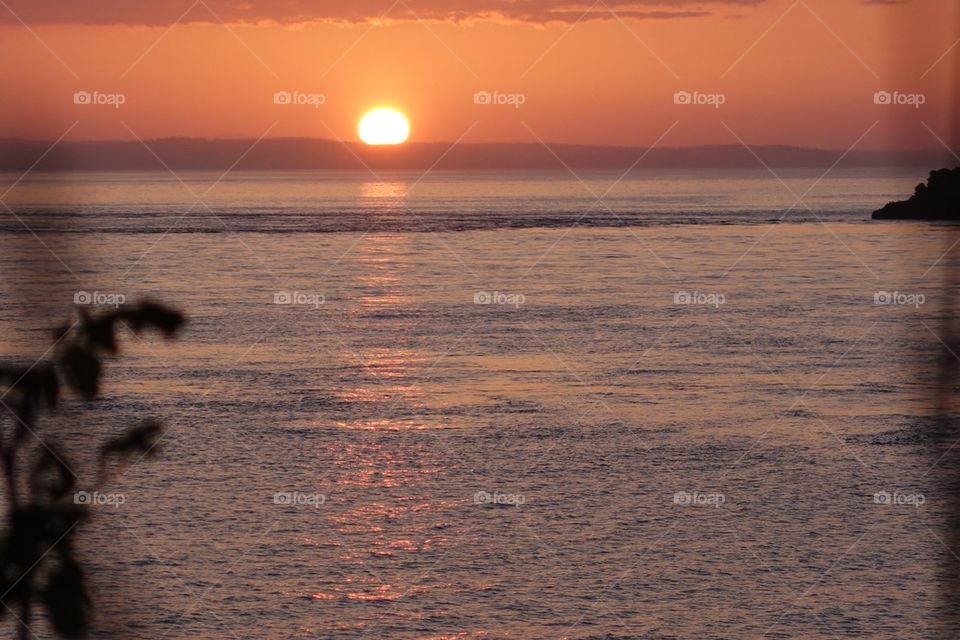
column 37, row 547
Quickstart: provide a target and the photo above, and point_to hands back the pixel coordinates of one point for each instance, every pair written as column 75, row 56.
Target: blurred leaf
column 83, row 370
column 66, row 598
column 100, row 333
column 140, row 439
column 51, row 474
column 39, row 385
column 151, row 314
column 21, row 552
column 61, row 332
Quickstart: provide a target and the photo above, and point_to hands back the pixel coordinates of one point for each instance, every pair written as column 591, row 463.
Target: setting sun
column 384, row 126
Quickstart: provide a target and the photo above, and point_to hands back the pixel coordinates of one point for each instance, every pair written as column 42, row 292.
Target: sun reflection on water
column 390, row 372
column 389, row 195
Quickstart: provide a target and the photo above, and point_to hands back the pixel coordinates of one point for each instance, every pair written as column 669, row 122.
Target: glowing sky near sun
column 790, row 73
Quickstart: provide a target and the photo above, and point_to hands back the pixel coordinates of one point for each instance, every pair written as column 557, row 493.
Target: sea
column 531, row 405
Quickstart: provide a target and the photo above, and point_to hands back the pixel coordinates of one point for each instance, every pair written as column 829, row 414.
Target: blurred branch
column 37, row 560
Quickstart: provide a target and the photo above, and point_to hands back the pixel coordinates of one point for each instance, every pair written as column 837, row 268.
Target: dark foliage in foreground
column 37, row 548
column 938, row 199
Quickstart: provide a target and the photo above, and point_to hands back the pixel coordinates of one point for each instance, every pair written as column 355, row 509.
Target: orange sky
column 792, row 72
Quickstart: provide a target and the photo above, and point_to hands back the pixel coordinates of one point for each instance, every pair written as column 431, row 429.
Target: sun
column 384, row 126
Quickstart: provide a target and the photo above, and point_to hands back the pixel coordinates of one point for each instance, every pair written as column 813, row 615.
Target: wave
column 137, row 221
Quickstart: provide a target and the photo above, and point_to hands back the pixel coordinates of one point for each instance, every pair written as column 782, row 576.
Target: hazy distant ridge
column 314, row 154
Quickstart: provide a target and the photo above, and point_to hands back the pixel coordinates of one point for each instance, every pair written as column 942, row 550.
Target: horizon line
column 451, row 144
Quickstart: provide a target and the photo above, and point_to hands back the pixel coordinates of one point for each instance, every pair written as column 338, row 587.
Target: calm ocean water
column 494, row 408
column 441, row 201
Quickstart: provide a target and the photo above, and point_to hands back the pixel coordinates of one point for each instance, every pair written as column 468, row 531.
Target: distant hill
column 315, row 154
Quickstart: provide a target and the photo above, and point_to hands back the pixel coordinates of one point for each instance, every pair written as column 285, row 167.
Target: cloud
column 167, row 12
